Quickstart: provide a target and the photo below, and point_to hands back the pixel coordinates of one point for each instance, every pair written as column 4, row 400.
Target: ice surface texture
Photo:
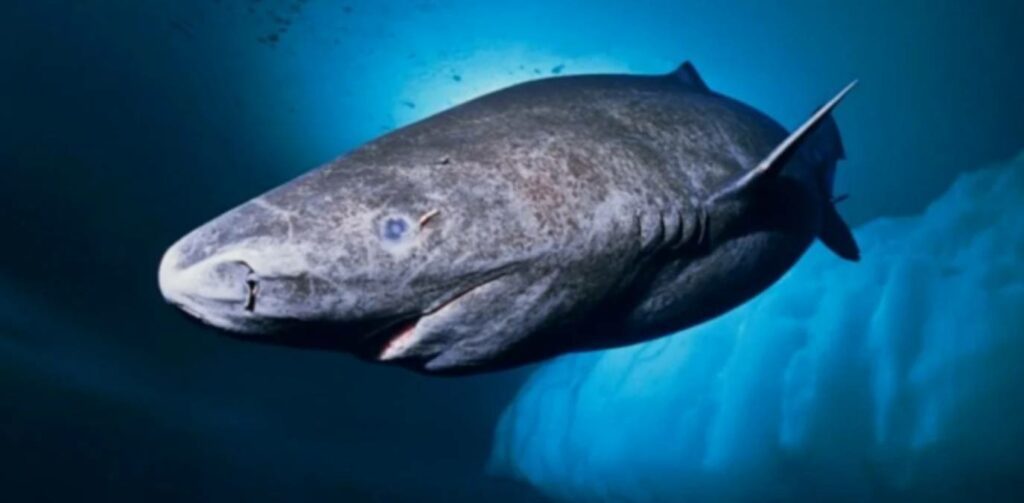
column 901, row 376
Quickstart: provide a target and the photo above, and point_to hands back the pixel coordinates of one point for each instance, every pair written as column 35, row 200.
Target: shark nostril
column 253, row 291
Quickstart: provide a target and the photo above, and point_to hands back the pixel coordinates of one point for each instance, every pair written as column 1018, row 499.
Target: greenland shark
column 564, row 214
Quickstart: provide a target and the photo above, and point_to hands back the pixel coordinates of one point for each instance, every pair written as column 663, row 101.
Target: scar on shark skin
column 427, row 216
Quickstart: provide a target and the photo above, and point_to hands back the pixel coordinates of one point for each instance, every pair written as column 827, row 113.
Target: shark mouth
column 392, row 340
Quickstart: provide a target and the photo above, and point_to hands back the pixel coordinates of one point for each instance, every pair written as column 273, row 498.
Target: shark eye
column 394, row 228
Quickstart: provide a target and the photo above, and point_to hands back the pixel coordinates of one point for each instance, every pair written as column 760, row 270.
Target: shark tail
column 824, row 146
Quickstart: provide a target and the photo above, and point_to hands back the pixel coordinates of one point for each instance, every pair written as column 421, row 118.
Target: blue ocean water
column 126, row 123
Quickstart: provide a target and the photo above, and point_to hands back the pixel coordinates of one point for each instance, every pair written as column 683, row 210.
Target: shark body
column 559, row 215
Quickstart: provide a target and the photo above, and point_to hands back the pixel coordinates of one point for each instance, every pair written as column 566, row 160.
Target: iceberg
column 894, row 378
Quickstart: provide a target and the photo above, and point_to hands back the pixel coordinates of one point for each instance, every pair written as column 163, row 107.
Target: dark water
column 127, row 123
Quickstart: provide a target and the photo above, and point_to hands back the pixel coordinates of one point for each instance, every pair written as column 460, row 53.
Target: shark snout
column 219, row 291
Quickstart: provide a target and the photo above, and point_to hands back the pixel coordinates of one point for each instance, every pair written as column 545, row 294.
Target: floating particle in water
column 409, row 104
column 558, row 69
column 347, row 9
column 457, row 78
column 182, row 27
column 537, row 71
column 426, row 6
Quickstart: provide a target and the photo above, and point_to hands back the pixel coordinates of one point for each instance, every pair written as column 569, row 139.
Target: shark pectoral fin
column 837, row 235
column 772, row 164
column 494, row 321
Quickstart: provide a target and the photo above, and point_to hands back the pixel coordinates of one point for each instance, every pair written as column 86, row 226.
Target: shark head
column 355, row 257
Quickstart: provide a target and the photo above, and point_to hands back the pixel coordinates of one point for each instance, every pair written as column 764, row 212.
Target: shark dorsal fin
column 772, row 164
column 687, row 75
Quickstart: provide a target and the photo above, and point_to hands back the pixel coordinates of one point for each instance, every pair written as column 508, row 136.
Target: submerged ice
column 896, row 377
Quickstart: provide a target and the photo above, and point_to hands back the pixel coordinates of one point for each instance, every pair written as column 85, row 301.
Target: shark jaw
column 226, row 292
column 400, row 340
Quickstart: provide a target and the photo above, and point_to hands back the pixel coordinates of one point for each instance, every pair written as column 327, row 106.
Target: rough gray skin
column 558, row 215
